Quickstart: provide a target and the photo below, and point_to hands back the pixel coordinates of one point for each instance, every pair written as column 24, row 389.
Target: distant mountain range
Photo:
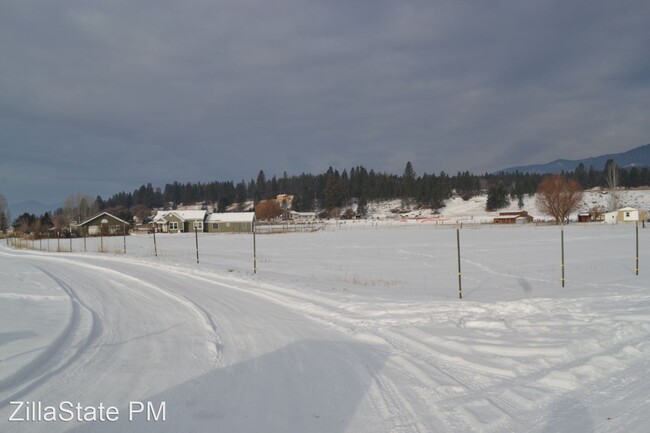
column 638, row 157
column 31, row 206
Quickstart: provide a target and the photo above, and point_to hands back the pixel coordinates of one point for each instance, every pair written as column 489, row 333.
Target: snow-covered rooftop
column 183, row 214
column 231, row 217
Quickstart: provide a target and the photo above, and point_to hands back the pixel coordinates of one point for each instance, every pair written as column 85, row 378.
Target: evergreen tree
column 333, row 194
column 497, row 198
column 408, row 181
column 46, row 222
column 260, row 187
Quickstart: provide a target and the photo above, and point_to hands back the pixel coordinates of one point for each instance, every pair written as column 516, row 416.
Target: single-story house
column 626, row 215
column 230, row 222
column 520, row 217
column 179, row 221
column 303, row 216
column 104, row 224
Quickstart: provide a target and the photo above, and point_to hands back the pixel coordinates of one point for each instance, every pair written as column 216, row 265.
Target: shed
column 104, row 224
column 611, row 217
column 584, row 217
column 230, row 222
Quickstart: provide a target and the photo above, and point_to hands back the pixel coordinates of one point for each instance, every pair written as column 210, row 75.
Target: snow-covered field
column 352, row 328
column 473, row 211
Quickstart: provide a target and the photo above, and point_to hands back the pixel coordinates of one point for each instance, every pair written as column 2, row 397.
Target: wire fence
column 391, row 254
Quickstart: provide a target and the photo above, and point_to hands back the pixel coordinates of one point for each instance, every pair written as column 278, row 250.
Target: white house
column 626, row 215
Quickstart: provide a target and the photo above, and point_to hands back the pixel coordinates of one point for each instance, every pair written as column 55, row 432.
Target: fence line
column 223, row 256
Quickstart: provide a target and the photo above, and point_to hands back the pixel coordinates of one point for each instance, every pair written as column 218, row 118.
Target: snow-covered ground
column 352, row 328
column 473, row 211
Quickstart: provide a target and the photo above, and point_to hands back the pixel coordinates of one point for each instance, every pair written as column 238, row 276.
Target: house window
column 627, row 214
column 173, row 226
column 215, row 226
column 198, row 225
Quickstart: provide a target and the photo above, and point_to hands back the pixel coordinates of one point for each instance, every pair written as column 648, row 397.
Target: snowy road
column 231, row 352
column 235, row 361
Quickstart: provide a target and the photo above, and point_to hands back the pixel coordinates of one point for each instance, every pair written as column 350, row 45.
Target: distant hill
column 638, row 157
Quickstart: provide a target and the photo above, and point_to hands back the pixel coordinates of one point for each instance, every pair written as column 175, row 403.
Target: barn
column 520, row 217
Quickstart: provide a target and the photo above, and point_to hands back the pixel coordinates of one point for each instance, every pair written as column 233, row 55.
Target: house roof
column 516, row 213
column 185, row 215
column 231, row 217
column 99, row 216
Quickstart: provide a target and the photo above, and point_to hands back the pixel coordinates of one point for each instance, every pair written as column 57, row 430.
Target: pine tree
column 260, row 187
column 497, row 198
column 333, row 193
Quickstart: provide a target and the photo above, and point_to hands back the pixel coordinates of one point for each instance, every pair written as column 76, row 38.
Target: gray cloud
column 102, row 96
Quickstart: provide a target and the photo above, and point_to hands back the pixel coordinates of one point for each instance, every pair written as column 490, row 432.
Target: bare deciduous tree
column 79, row 207
column 558, row 197
column 612, row 178
column 267, row 210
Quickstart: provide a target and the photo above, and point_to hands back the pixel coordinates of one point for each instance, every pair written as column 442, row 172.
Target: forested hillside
column 331, row 191
column 334, row 189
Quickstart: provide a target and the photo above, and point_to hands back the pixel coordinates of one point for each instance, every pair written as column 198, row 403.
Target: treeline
column 337, row 190
column 326, row 191
column 332, row 191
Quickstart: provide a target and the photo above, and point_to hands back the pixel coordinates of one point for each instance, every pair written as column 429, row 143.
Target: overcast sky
column 97, row 97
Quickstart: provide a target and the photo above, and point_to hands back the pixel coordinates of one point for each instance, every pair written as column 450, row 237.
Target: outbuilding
column 520, row 217
column 303, row 216
column 230, row 222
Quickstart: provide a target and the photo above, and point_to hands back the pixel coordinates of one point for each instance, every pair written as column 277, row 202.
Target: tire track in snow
column 215, row 344
column 400, row 414
column 54, row 360
column 497, row 403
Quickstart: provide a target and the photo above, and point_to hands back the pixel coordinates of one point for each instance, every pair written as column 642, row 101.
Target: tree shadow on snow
column 568, row 415
column 307, row 386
